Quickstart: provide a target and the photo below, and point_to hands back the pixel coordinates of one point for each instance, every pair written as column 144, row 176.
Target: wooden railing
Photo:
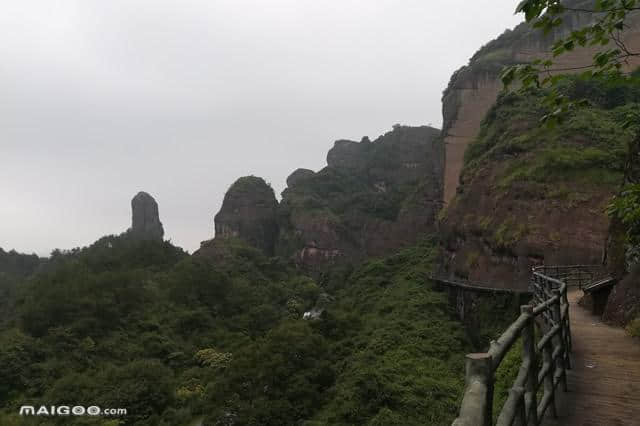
column 475, row 286
column 574, row 275
column 545, row 359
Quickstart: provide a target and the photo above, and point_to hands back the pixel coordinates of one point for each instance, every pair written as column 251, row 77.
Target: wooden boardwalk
column 604, row 384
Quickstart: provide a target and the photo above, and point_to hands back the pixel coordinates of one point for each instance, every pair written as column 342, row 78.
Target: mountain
column 145, row 218
column 373, row 197
column 249, row 212
column 474, row 88
column 531, row 195
column 517, row 195
column 137, row 323
column 319, row 309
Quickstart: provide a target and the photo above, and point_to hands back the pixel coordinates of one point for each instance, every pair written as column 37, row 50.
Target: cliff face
column 623, row 257
column 474, row 88
column 623, row 304
column 516, row 195
column 249, row 212
column 530, row 195
column 371, row 198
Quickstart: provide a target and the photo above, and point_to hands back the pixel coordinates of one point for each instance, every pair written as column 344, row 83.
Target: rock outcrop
column 514, row 196
column 249, row 212
column 299, row 176
column 623, row 304
column 145, row 221
column 530, row 195
column 474, row 88
column 372, row 198
column 349, row 155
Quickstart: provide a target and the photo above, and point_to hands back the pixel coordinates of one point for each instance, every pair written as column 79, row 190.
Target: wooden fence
column 574, row 275
column 545, row 359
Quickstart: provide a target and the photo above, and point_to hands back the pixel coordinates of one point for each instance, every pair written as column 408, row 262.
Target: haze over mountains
column 182, row 98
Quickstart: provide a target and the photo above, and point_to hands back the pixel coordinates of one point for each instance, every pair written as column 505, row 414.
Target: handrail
column 574, row 275
column 550, row 314
column 476, row 286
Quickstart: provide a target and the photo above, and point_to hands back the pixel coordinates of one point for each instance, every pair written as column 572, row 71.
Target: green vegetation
column 505, row 377
column 509, row 233
column 365, row 184
column 625, row 208
column 490, row 316
column 576, row 163
column 14, row 267
column 17, row 264
column 633, row 328
column 605, row 84
column 472, row 260
column 399, row 325
column 604, row 31
column 250, row 185
column 340, row 194
column 141, row 325
column 588, row 147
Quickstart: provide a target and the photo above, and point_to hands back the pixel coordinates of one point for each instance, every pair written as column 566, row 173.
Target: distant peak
column 145, row 218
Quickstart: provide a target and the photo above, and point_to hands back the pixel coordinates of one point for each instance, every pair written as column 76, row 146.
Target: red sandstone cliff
column 474, row 88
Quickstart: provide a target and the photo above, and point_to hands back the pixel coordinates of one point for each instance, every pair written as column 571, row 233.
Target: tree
column 606, row 31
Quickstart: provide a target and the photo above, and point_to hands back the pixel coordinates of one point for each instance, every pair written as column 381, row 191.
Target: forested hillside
column 14, row 268
column 141, row 325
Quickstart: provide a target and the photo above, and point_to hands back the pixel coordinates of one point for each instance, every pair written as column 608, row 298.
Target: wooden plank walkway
column 604, row 384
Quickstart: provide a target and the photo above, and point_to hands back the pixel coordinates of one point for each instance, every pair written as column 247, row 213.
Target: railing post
column 483, row 366
column 551, row 304
column 537, row 289
column 529, row 356
column 559, row 340
column 477, row 407
column 521, row 411
column 549, row 389
column 567, row 325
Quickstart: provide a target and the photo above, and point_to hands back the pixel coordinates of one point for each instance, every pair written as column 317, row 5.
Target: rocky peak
column 404, row 147
column 298, row 176
column 145, row 221
column 249, row 212
column 347, row 154
column 372, row 198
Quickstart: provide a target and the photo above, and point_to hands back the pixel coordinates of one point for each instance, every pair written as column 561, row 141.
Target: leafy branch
column 606, row 31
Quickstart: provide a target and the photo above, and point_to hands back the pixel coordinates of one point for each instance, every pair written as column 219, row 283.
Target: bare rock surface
column 145, row 220
column 249, row 213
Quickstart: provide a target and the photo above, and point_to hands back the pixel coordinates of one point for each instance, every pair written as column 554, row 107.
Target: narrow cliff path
column 604, row 384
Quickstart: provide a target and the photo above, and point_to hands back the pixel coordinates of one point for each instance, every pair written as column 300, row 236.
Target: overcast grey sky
column 102, row 98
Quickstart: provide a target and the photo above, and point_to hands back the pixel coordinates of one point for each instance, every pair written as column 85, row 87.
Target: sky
column 100, row 99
